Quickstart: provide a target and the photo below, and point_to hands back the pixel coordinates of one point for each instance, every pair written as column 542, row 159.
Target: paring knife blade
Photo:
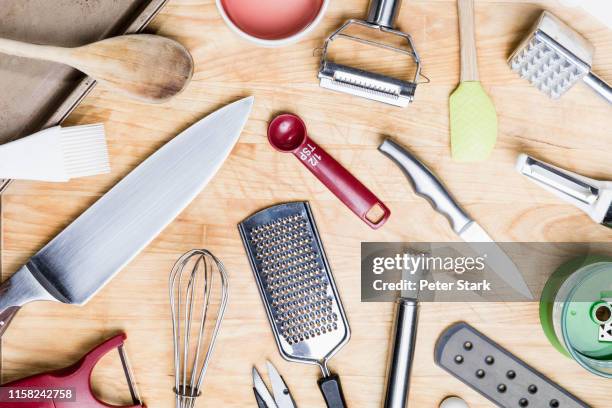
column 89, row 252
column 427, row 185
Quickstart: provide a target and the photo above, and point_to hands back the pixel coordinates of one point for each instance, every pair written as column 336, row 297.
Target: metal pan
column 38, row 94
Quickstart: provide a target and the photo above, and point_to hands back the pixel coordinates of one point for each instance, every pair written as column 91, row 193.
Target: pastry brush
column 554, row 58
column 56, row 154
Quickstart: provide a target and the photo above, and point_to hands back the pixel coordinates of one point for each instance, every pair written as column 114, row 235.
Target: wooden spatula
column 473, row 120
column 144, row 66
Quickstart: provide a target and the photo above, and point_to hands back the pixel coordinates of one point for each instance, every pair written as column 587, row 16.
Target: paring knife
column 594, row 197
column 427, row 185
column 91, row 250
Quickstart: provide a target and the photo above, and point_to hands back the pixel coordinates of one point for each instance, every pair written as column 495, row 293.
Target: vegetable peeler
column 69, row 387
column 382, row 15
column 594, row 197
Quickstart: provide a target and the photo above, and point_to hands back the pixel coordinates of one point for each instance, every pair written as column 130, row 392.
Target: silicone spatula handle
column 343, row 184
column 469, row 60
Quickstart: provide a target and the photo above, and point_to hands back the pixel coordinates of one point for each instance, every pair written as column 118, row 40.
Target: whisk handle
column 332, row 391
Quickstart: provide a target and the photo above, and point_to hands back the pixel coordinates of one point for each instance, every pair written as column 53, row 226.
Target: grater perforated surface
column 295, row 282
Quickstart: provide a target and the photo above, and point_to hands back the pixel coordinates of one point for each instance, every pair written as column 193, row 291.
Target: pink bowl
column 272, row 22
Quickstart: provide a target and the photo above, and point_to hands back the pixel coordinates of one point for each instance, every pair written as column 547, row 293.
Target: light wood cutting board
column 573, row 132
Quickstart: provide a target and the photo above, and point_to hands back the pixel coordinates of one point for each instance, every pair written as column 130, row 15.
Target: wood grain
column 573, row 132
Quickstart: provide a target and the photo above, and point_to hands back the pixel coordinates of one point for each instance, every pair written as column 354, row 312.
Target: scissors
column 282, row 397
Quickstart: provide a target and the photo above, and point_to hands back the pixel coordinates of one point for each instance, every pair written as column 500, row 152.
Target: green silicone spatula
column 473, row 120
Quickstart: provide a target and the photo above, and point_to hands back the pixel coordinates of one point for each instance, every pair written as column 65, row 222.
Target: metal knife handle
column 19, row 289
column 599, row 85
column 426, row 184
column 332, row 391
column 384, row 12
column 400, row 365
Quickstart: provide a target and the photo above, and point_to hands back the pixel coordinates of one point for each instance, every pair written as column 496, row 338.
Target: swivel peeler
column 594, row 197
column 68, row 387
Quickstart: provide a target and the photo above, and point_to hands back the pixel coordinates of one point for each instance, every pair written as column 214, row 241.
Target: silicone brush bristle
column 85, row 151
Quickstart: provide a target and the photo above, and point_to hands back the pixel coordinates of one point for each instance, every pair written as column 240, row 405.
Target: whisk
column 193, row 290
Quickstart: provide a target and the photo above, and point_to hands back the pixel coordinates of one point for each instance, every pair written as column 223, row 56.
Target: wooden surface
column 573, row 132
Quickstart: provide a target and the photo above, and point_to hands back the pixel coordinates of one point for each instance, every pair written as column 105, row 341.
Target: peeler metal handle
column 583, row 192
column 599, row 85
column 384, row 12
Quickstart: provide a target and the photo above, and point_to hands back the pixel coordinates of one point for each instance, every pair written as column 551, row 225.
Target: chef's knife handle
column 15, row 292
column 426, row 184
column 332, row 391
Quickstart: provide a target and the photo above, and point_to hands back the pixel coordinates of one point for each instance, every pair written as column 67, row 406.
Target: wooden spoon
column 144, row 66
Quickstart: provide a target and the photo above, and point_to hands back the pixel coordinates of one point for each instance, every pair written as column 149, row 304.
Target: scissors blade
column 262, row 390
column 282, row 396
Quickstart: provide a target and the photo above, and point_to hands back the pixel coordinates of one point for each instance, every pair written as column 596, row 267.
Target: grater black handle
column 332, row 391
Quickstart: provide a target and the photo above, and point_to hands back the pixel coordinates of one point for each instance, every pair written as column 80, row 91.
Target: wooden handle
column 469, row 60
column 41, row 52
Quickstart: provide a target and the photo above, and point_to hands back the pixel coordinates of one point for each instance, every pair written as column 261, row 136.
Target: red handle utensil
column 45, row 390
column 287, row 134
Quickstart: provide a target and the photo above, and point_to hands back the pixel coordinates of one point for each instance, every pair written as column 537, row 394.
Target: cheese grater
column 297, row 289
column 554, row 58
column 382, row 88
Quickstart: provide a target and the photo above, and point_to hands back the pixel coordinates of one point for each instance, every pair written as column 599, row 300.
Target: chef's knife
column 91, row 250
column 427, row 185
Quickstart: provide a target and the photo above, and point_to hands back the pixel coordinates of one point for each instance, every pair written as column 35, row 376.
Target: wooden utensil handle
column 41, row 52
column 469, row 59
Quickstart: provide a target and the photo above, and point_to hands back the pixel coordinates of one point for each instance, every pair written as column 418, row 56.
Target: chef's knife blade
column 427, row 185
column 89, row 252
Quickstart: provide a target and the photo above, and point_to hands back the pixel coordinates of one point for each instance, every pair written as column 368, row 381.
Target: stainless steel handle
column 400, row 365
column 599, row 85
column 564, row 183
column 426, row 184
column 384, row 12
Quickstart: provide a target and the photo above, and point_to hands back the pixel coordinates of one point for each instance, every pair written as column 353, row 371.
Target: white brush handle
column 599, row 85
column 469, row 60
column 41, row 52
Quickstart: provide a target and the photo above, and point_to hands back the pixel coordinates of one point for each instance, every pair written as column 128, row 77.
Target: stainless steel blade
column 282, row 396
column 90, row 251
column 262, row 390
column 497, row 259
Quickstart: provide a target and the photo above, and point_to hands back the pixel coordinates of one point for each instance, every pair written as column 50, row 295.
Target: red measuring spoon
column 287, row 134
